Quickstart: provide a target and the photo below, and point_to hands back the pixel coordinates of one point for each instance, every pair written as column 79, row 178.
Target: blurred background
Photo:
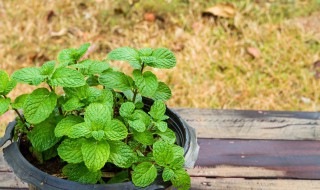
column 254, row 54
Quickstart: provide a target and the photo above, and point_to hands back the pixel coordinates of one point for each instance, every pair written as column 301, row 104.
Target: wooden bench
column 242, row 150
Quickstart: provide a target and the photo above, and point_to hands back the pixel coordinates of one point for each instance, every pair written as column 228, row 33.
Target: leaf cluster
column 99, row 120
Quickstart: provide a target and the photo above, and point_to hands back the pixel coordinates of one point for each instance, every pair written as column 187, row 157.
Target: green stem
column 59, row 107
column 135, row 92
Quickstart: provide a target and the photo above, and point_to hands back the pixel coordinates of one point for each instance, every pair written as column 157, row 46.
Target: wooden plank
column 203, row 183
column 258, row 158
column 9, row 180
column 242, row 124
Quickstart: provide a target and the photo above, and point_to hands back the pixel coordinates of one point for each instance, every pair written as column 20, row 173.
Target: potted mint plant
column 91, row 126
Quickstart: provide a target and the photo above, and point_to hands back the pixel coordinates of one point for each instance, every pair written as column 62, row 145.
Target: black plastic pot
column 38, row 179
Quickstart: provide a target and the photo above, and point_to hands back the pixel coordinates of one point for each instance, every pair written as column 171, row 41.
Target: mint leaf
column 97, row 116
column 167, row 174
column 10, row 86
column 66, row 77
column 96, row 67
column 116, row 130
column 144, row 174
column 126, row 54
column 163, row 153
column 119, row 177
column 4, row 105
column 50, row 153
column 92, row 81
column 70, row 150
column 158, row 109
column 146, row 137
column 80, row 173
column 42, row 136
column 168, row 136
column 78, row 92
column 129, row 95
column 161, row 125
column 47, row 68
column 143, row 116
column 138, row 125
column 163, row 92
column 67, row 57
column 160, row 58
column 72, row 104
column 147, row 82
column 145, row 51
column 4, row 79
column 79, row 130
column 39, row 105
column 116, row 80
column 29, row 75
column 103, row 96
column 126, row 109
column 82, row 50
column 181, row 180
column 19, row 101
column 95, row 154
column 98, row 135
column 65, row 125
column 121, row 154
column 178, row 151
column 177, row 163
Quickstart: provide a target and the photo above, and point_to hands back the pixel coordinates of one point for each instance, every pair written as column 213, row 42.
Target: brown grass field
column 262, row 57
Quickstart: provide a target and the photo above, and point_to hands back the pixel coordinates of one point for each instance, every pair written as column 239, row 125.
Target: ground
column 260, row 57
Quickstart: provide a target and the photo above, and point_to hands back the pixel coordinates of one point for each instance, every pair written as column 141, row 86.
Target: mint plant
column 99, row 122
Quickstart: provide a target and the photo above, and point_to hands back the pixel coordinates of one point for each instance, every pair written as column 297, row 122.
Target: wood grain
column 258, row 158
column 236, row 124
column 202, row 183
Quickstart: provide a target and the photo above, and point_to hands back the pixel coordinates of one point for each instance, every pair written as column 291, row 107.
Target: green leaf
column 121, row 154
column 65, row 125
column 72, row 104
column 181, row 180
column 167, row 174
column 143, row 116
column 144, row 174
column 80, row 173
column 127, row 109
column 145, row 51
column 160, row 58
column 10, row 86
column 103, row 96
column 116, row 130
column 129, row 95
column 138, row 125
column 161, row 125
column 98, row 135
column 145, row 137
column 96, row 67
column 70, row 150
column 168, row 136
column 147, row 82
column 47, row 68
column 92, row 81
column 4, row 105
column 95, row 154
column 4, row 79
column 97, row 116
column 126, row 54
column 50, row 153
column 116, row 80
column 163, row 92
column 39, row 105
column 82, row 50
column 178, row 151
column 177, row 163
column 67, row 57
column 19, row 101
column 29, row 75
column 119, row 177
column 42, row 136
column 78, row 92
column 66, row 77
column 158, row 109
column 163, row 153
column 79, row 130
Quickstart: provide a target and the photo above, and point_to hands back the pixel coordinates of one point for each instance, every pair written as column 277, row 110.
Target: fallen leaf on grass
column 226, row 10
column 254, row 52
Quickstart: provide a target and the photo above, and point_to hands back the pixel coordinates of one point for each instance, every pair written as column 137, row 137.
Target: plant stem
column 135, row 92
column 18, row 113
column 59, row 107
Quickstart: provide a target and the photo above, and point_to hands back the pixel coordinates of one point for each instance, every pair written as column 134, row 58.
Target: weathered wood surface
column 235, row 124
column 242, row 150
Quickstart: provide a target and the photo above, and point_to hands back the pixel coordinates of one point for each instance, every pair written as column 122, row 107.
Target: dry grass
column 214, row 68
